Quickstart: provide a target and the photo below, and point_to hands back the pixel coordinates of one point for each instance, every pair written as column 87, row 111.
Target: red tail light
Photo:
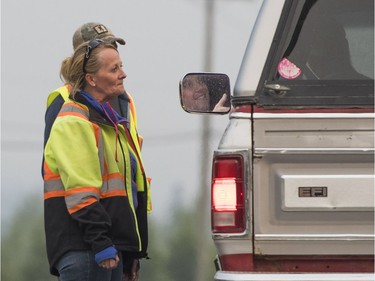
column 227, row 194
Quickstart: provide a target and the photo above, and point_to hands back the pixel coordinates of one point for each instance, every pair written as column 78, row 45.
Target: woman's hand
column 110, row 263
column 219, row 107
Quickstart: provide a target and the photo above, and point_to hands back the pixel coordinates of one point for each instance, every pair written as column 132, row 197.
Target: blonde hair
column 72, row 71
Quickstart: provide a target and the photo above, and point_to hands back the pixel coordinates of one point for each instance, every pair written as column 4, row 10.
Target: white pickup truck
column 292, row 193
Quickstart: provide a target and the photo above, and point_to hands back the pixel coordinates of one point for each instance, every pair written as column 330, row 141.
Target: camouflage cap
column 94, row 30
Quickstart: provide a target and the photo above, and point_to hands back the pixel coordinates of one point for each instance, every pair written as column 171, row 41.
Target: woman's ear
column 90, row 79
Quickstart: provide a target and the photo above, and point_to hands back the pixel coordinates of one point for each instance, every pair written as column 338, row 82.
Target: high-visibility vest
column 127, row 110
column 53, row 184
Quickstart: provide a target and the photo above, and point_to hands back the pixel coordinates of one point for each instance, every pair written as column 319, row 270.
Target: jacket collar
column 99, row 113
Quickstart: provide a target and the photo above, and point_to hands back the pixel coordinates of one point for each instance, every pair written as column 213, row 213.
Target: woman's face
column 108, row 80
column 195, row 95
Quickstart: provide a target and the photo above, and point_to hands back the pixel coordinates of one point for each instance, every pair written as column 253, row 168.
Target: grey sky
column 164, row 42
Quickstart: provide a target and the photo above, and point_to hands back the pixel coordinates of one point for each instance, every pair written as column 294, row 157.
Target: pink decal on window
column 288, row 70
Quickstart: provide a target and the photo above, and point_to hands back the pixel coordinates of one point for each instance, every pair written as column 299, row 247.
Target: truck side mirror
column 205, row 93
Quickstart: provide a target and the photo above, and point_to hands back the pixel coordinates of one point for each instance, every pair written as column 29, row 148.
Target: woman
column 96, row 190
column 195, row 94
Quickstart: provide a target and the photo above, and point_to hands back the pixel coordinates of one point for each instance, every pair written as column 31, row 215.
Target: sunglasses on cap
column 90, row 47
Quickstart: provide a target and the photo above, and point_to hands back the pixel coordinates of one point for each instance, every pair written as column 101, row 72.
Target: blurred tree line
column 172, row 248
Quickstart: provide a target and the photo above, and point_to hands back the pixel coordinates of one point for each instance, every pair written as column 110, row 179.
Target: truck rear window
column 323, row 56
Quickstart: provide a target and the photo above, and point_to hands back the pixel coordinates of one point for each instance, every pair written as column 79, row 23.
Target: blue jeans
column 81, row 266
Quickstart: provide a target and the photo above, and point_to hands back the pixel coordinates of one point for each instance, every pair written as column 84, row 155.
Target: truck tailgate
column 313, row 184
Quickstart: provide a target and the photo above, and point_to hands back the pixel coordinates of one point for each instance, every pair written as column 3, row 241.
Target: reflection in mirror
column 205, row 92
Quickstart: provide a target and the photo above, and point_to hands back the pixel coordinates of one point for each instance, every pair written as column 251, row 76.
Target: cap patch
column 100, row 29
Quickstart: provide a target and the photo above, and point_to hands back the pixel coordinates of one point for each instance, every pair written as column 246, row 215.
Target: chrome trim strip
column 315, row 150
column 314, row 115
column 302, row 115
column 229, row 276
column 314, row 237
